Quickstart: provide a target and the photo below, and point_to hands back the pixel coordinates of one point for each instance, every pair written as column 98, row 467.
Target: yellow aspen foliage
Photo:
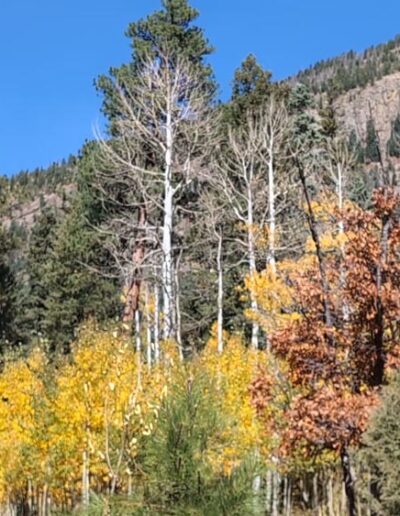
column 106, row 403
column 274, row 298
column 23, row 447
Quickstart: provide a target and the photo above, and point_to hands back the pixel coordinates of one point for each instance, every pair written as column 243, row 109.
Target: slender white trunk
column 156, row 324
column 331, row 508
column 138, row 338
column 177, row 311
column 148, row 328
column 252, row 261
column 138, row 346
column 271, row 259
column 168, row 288
column 276, row 494
column 340, row 195
column 268, row 491
column 85, row 478
column 220, row 323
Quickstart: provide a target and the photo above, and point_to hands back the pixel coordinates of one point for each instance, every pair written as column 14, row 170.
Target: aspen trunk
column 177, row 310
column 331, row 508
column 30, row 497
column 271, row 259
column 156, row 324
column 275, row 494
column 138, row 339
column 289, row 498
column 268, row 491
column 252, row 263
column 345, row 307
column 167, row 269
column 85, row 479
column 220, row 301
column 148, row 328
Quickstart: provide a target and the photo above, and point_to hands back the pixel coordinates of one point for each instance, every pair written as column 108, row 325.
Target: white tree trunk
column 271, row 259
column 252, row 260
column 85, row 478
column 177, row 312
column 156, row 324
column 167, row 269
column 148, row 329
column 220, row 323
column 340, row 195
column 138, row 338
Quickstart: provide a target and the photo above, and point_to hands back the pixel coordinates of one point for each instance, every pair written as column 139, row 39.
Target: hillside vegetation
column 352, row 70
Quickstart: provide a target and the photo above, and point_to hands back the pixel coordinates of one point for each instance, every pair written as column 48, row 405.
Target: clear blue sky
column 52, row 50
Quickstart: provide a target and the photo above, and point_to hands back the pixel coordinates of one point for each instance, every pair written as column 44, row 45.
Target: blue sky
column 52, row 50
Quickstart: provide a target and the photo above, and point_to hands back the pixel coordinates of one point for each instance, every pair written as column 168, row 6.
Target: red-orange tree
column 337, row 363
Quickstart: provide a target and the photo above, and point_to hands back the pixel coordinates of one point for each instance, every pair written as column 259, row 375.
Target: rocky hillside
column 379, row 102
column 23, row 196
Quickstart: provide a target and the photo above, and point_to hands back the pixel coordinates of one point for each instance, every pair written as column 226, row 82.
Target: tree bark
column 320, row 257
column 349, row 482
column 167, row 269
column 220, row 301
column 252, row 259
column 271, row 259
column 133, row 290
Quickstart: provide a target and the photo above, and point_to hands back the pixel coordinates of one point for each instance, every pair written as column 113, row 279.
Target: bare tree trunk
column 85, row 478
column 316, row 499
column 345, row 307
column 220, row 323
column 133, row 289
column 156, row 324
column 320, row 257
column 271, row 258
column 349, row 482
column 168, row 279
column 30, row 497
column 148, row 328
column 44, row 500
column 331, row 507
column 138, row 339
column 252, row 261
column 268, row 491
column 289, row 498
column 380, row 361
column 177, row 311
column 275, row 494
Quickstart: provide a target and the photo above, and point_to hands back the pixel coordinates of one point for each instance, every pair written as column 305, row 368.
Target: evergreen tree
column 329, row 124
column 372, row 151
column 380, row 453
column 77, row 284
column 33, row 291
column 170, row 31
column 356, row 147
column 306, row 130
column 251, row 85
column 168, row 37
column 179, row 474
column 394, row 140
column 7, row 286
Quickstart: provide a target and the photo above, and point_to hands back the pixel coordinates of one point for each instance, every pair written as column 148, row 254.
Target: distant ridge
column 352, row 69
